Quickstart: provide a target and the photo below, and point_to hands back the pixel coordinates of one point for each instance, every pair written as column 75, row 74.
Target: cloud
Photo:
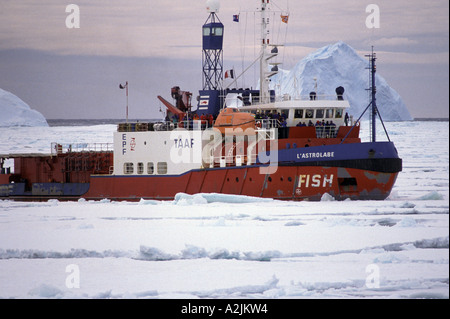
column 130, row 28
column 394, row 41
column 156, row 28
column 412, row 34
column 415, row 58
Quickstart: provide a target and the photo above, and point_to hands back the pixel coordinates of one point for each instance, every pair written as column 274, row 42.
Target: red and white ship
column 245, row 142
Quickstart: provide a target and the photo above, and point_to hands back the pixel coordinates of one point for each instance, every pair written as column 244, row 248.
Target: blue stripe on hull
column 338, row 152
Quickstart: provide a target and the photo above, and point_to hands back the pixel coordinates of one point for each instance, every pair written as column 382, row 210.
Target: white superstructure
column 157, row 152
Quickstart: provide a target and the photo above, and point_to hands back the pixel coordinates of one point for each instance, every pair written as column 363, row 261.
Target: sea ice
column 218, row 246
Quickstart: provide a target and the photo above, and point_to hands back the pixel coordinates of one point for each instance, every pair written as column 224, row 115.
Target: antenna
column 265, row 75
column 125, row 87
column 373, row 102
column 372, row 66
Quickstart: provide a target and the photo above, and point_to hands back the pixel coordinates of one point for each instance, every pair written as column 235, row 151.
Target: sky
column 154, row 45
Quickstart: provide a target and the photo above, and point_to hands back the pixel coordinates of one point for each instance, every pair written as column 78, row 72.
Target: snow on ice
column 224, row 246
column 15, row 112
column 340, row 65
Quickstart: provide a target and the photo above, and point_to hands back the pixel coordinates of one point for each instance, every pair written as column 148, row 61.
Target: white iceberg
column 340, row 65
column 15, row 112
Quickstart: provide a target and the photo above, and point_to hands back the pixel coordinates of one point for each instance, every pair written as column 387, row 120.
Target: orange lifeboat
column 239, row 122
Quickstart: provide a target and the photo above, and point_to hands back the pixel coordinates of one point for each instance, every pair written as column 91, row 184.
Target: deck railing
column 61, row 148
column 164, row 126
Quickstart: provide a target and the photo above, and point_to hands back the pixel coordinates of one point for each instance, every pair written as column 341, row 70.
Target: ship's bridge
column 301, row 111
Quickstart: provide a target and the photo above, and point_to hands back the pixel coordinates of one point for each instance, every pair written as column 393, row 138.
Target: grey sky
column 74, row 73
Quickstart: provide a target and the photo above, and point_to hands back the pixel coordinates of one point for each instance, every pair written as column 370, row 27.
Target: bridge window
column 329, row 113
column 207, row 31
column 298, row 114
column 309, row 113
column 319, row 114
column 339, row 113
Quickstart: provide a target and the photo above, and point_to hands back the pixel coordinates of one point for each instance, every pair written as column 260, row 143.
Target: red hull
column 288, row 183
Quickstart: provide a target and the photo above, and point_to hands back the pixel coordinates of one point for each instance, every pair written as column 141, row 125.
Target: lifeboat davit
column 232, row 121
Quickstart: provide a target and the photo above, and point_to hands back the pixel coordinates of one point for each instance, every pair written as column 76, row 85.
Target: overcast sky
column 74, row 73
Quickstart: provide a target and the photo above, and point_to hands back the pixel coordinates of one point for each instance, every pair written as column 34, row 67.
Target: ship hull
column 287, row 183
column 359, row 171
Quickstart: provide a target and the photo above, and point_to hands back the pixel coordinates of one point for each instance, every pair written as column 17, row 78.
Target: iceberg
column 15, row 112
column 340, row 65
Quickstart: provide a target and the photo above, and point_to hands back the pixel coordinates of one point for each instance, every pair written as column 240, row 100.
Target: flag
column 236, row 17
column 284, row 18
column 123, row 86
column 229, row 74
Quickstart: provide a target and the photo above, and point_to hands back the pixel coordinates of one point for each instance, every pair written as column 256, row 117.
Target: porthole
column 150, row 168
column 128, row 168
column 140, row 168
column 161, row 168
